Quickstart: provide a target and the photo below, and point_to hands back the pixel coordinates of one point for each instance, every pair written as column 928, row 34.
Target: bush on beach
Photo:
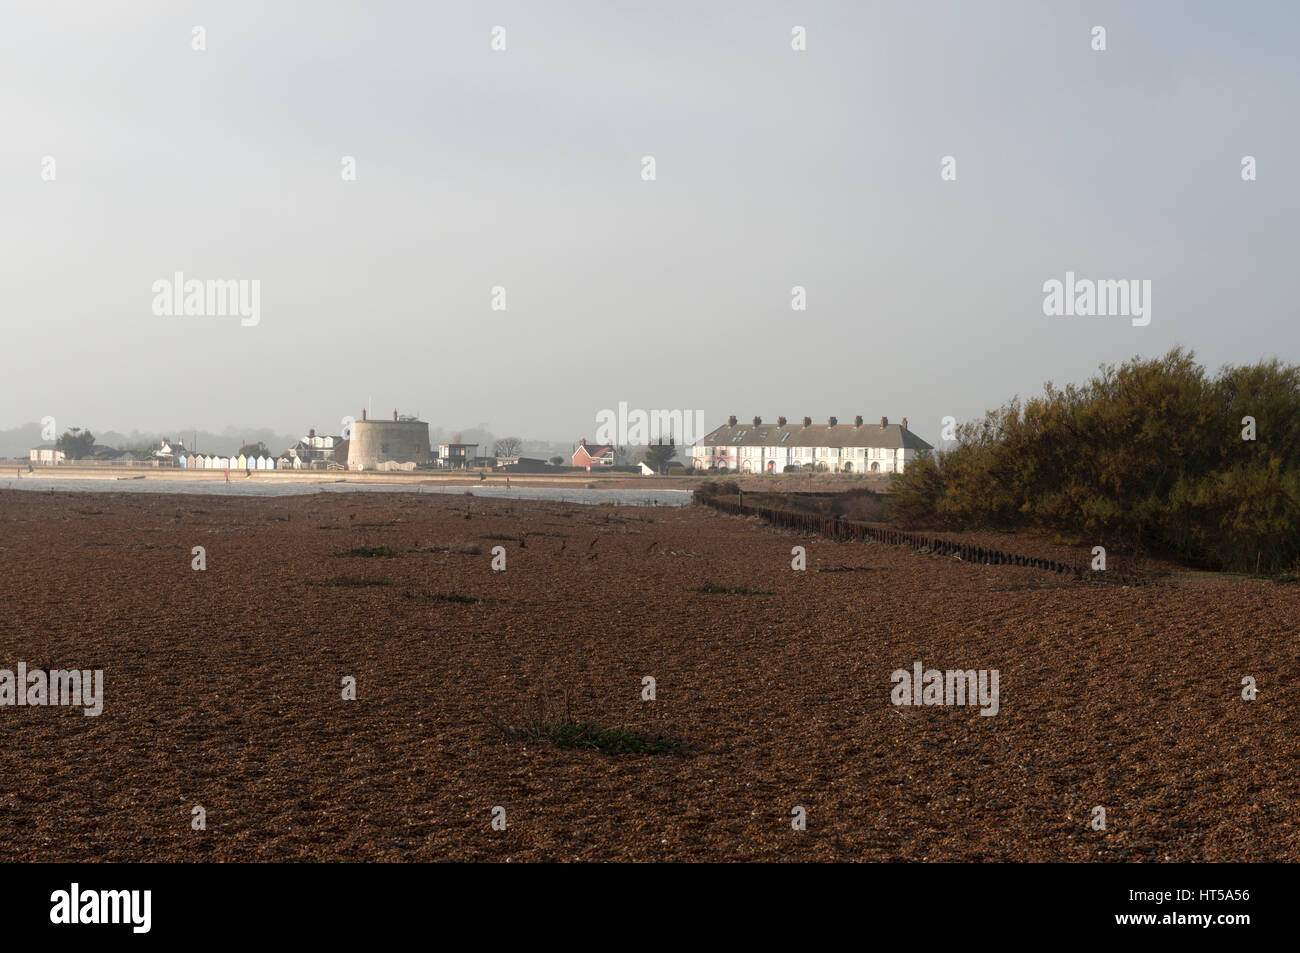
column 1147, row 456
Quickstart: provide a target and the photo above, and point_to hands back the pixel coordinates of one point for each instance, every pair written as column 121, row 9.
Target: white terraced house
column 834, row 447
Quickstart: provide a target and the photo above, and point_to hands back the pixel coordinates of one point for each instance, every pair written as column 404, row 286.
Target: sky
column 480, row 168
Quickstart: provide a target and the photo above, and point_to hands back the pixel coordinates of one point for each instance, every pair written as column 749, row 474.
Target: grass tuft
column 732, row 590
column 440, row 597
column 467, row 549
column 583, row 735
column 369, row 551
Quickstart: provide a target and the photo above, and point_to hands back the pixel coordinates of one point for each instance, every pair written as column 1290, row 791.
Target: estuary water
column 630, row 497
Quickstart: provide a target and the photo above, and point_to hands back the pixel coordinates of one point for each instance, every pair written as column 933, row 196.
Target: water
column 647, row 497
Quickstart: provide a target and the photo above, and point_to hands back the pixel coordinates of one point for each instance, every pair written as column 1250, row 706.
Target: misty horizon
column 513, row 177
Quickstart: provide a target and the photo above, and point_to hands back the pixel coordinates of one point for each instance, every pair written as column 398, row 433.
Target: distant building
column 47, row 455
column 169, row 451
column 834, row 447
column 400, row 440
column 525, row 465
column 457, row 456
column 317, row 450
column 503, row 462
column 592, row 456
column 648, row 470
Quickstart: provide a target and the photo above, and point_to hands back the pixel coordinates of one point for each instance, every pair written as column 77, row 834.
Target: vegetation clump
column 440, row 597
column 718, row 488
column 370, row 552
column 453, row 597
column 585, row 735
column 1153, row 455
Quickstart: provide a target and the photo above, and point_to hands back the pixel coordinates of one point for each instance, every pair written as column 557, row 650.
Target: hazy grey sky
column 522, row 168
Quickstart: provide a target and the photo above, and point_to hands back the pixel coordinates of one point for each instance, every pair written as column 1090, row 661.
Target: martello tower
column 401, row 440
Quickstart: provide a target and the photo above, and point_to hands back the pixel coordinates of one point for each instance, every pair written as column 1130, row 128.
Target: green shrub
column 715, row 589
column 717, row 488
column 1146, row 456
column 616, row 740
column 370, row 552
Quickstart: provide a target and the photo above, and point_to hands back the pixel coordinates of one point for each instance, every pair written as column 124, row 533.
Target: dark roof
column 889, row 437
column 595, row 450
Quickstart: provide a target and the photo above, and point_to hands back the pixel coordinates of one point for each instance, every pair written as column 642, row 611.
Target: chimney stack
column 904, row 423
column 832, row 421
column 807, row 421
column 758, row 421
column 582, row 441
column 731, row 421
column 780, row 421
column 363, row 413
column 394, row 413
column 884, row 421
column 857, row 421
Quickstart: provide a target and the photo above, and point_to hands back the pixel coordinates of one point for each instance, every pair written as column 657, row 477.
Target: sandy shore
column 222, row 689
